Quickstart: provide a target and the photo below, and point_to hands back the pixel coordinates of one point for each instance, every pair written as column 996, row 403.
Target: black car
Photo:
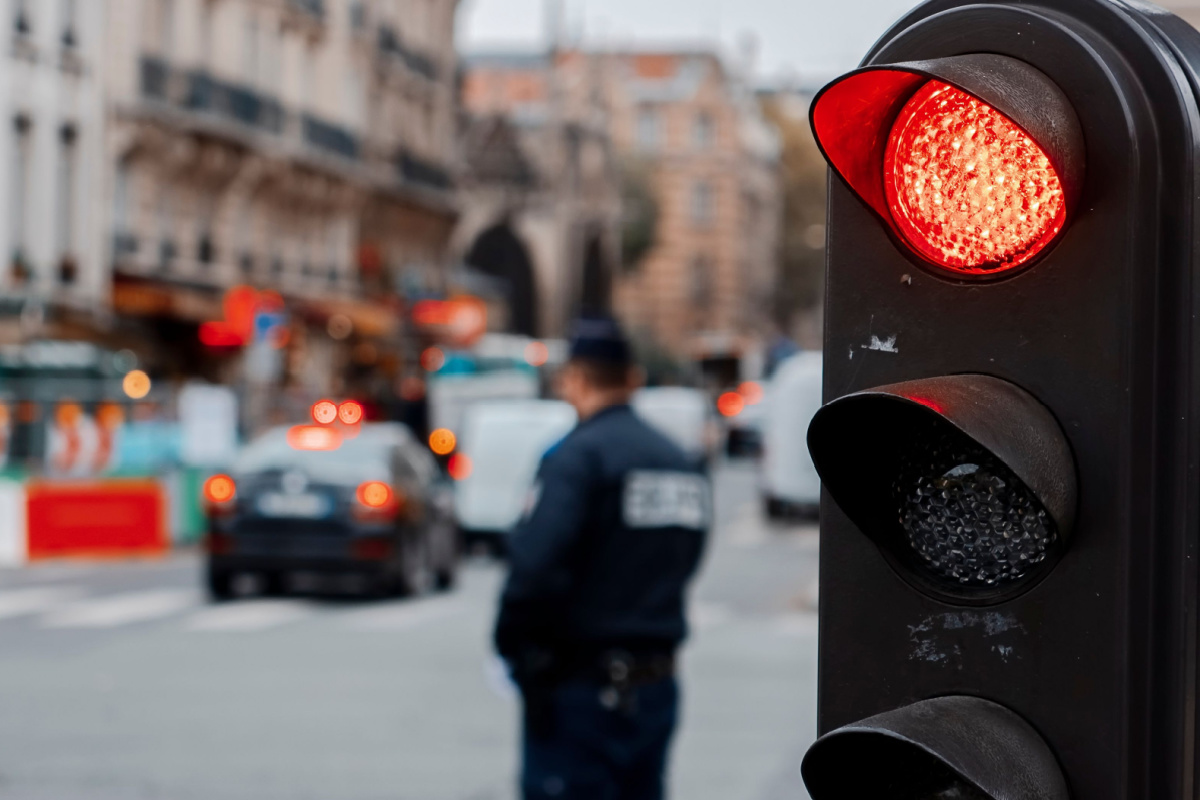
column 366, row 504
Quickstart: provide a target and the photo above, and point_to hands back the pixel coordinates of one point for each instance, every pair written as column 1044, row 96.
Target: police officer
column 593, row 610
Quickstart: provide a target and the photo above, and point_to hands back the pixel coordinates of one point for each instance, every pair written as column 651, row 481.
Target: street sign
column 1008, row 446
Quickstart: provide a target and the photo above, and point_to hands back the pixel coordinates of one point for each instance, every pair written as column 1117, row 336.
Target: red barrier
column 96, row 519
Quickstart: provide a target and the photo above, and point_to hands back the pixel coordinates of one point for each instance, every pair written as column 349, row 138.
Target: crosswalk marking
column 122, row 609
column 17, row 602
column 403, row 614
column 249, row 615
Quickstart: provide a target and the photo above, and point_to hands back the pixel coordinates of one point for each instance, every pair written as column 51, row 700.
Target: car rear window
column 367, row 454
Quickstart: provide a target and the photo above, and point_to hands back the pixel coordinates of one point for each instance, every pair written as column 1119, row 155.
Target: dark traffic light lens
column 968, row 519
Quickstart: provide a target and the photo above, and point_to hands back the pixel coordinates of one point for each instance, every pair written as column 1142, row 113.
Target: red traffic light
column 974, row 162
column 966, row 186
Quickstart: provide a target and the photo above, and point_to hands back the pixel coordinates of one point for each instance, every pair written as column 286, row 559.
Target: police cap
column 599, row 338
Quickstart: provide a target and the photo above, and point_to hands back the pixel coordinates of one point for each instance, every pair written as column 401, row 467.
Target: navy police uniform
column 593, row 610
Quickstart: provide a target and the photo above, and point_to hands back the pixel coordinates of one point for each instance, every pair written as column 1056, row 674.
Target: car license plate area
column 293, row 506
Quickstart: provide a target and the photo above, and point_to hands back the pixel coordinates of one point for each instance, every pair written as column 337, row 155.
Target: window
column 70, row 29
column 702, row 204
column 22, row 17
column 358, row 16
column 648, row 129
column 68, row 163
column 166, row 227
column 703, row 131
column 121, row 199
column 22, row 145
column 206, row 33
column 250, row 50
column 161, row 30
column 701, row 289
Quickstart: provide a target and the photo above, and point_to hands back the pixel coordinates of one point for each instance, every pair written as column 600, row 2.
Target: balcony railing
column 314, row 7
column 391, row 45
column 326, row 136
column 156, row 76
column 202, row 94
column 205, row 93
column 417, row 170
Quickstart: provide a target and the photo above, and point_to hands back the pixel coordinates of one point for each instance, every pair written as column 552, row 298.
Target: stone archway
column 500, row 254
column 596, row 282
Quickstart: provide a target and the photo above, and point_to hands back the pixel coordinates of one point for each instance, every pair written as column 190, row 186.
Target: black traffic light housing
column 957, row 748
column 1084, row 362
column 979, row 434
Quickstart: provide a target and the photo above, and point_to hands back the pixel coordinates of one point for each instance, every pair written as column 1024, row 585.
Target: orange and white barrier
column 45, row 519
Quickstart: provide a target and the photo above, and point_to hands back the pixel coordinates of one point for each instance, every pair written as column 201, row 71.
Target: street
column 118, row 681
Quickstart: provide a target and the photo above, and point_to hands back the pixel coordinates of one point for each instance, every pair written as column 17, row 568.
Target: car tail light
column 376, row 501
column 219, row 493
column 460, row 467
column 324, row 412
column 730, row 404
column 374, row 494
column 350, row 412
column 372, row 548
column 443, row 441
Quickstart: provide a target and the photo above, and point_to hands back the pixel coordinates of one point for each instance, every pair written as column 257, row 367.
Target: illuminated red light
column 314, row 437
column 930, row 404
column 219, row 489
column 374, row 494
column 537, row 354
column 730, row 404
column 751, row 392
column 324, row 412
column 350, row 412
column 966, row 187
column 433, row 359
column 460, row 467
column 443, row 441
column 220, row 334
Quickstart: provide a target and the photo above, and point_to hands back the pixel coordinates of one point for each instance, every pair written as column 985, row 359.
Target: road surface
column 121, row 682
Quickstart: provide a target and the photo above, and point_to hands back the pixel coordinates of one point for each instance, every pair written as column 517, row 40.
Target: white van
column 504, row 441
column 682, row 415
column 789, row 479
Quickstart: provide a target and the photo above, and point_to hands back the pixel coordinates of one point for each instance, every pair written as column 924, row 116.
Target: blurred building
column 50, row 173
column 693, row 126
column 540, row 189
column 299, row 146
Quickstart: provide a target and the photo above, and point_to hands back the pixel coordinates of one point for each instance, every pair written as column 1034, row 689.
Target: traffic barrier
column 13, row 548
column 95, row 519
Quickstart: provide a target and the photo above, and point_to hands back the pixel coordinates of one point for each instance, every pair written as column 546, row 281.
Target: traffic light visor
column 965, row 483
column 960, row 747
column 973, row 162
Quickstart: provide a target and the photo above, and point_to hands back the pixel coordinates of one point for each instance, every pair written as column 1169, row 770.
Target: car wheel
column 272, row 584
column 416, row 572
column 220, row 585
column 773, row 508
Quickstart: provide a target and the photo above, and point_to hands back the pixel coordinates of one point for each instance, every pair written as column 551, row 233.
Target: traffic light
column 1010, row 531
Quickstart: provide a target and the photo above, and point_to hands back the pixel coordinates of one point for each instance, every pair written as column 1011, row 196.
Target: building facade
column 540, row 187
column 303, row 147
column 693, row 127
column 51, row 170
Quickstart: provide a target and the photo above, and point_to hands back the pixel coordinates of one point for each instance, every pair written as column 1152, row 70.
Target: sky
column 805, row 41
